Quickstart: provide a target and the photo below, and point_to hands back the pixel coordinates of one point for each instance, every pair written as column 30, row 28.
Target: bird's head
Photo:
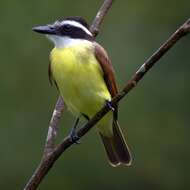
column 66, row 30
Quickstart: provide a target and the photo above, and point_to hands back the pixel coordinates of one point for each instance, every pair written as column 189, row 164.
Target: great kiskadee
column 84, row 76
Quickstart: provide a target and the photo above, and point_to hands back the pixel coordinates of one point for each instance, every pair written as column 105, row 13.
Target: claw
column 108, row 103
column 74, row 138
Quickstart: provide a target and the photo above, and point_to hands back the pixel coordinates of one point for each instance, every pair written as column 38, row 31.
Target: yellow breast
column 79, row 78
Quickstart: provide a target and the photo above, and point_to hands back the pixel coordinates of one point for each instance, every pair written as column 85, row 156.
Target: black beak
column 47, row 29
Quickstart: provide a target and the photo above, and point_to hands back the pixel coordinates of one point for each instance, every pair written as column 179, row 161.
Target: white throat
column 62, row 42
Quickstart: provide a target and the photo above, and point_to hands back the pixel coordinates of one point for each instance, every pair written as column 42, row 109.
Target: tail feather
column 116, row 147
column 110, row 150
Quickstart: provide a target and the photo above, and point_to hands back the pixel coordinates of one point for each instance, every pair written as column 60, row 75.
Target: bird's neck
column 63, row 42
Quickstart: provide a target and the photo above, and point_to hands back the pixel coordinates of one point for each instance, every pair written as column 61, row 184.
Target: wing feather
column 108, row 72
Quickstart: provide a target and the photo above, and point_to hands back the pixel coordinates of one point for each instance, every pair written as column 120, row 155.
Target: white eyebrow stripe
column 77, row 24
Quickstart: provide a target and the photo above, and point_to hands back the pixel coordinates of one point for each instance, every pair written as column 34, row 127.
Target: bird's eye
column 67, row 28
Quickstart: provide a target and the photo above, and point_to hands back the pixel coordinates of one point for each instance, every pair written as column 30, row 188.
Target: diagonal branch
column 95, row 26
column 53, row 127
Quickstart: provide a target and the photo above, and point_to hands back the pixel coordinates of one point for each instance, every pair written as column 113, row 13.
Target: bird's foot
column 74, row 138
column 109, row 104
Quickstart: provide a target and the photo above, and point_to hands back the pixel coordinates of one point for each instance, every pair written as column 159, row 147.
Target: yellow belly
column 80, row 79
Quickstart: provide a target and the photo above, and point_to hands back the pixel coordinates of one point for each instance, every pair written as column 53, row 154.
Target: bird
column 84, row 76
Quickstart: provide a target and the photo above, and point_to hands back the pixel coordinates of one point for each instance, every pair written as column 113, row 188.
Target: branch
column 49, row 150
column 53, row 127
column 95, row 26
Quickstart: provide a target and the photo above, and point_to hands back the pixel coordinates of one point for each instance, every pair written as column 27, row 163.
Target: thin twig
column 49, row 155
column 95, row 26
column 53, row 127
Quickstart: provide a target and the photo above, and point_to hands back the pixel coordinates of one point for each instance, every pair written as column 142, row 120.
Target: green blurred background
column 156, row 114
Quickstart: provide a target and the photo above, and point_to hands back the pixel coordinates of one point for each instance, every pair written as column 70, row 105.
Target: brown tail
column 116, row 147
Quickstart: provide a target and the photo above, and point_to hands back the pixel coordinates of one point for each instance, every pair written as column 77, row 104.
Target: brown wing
column 108, row 71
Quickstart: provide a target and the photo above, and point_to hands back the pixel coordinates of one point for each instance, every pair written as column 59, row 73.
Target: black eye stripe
column 67, row 27
column 73, row 32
